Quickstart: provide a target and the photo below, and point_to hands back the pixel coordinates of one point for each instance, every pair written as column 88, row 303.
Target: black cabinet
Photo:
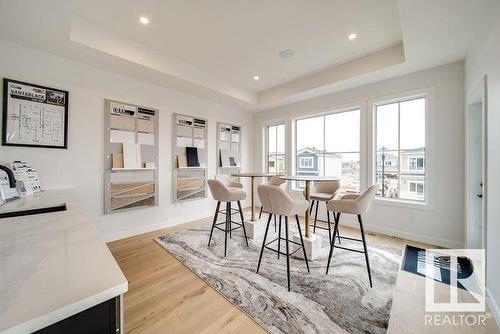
column 100, row 319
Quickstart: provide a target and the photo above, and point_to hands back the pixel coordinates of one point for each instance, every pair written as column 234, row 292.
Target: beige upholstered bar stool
column 227, row 191
column 323, row 192
column 354, row 204
column 275, row 180
column 277, row 202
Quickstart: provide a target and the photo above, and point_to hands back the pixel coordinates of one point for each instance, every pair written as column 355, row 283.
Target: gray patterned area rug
column 340, row 302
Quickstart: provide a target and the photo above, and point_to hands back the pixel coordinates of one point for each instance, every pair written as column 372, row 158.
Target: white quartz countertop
column 52, row 265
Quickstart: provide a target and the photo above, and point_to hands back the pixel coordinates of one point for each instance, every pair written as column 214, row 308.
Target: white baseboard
column 351, row 221
column 150, row 228
column 495, row 310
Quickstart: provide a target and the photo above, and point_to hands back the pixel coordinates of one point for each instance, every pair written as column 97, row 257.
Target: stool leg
column 287, row 254
column 366, row 250
column 302, row 242
column 215, row 221
column 229, row 223
column 338, row 236
column 243, row 222
column 329, row 225
column 316, row 216
column 274, row 223
column 311, row 208
column 279, row 238
column 332, row 244
column 228, row 218
column 263, row 243
column 260, row 213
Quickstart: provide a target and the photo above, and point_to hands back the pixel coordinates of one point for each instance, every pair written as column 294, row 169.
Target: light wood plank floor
column 166, row 297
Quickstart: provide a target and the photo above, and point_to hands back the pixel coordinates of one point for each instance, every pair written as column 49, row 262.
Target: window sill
column 403, row 204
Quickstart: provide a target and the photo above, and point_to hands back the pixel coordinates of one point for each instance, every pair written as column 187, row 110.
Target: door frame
column 480, row 91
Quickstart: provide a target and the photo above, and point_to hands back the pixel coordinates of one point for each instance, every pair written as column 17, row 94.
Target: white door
column 475, row 176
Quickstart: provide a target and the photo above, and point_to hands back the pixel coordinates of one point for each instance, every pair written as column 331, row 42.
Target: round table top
column 309, row 178
column 252, row 174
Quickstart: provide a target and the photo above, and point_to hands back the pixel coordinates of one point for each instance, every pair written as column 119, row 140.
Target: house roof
column 313, row 150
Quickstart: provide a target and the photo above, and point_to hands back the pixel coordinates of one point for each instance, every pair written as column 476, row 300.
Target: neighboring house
column 411, row 181
column 311, row 161
column 276, row 162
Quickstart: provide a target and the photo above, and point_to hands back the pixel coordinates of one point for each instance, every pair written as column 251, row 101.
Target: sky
column 342, row 130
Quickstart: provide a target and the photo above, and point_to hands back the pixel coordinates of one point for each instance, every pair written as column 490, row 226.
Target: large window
column 275, row 149
column 400, row 166
column 329, row 146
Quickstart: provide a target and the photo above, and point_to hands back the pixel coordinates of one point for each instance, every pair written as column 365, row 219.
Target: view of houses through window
column 400, row 149
column 276, row 149
column 328, row 145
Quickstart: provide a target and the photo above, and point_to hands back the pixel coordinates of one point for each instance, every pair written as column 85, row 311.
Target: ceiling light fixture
column 287, row 53
column 352, row 36
column 144, row 20
column 256, row 77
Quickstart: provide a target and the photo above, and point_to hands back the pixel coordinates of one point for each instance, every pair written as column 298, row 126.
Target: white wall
column 442, row 223
column 81, row 165
column 486, row 61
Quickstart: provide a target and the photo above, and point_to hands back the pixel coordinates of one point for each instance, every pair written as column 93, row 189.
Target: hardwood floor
column 166, row 297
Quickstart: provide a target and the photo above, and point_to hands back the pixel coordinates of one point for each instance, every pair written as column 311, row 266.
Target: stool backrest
column 218, row 189
column 275, row 200
column 365, row 200
column 276, row 180
column 326, row 187
column 224, row 178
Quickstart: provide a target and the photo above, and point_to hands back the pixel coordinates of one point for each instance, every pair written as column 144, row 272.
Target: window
column 416, row 164
column 328, row 145
column 306, row 162
column 275, row 135
column 400, row 133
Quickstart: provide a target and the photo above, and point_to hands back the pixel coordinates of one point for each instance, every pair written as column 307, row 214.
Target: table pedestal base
column 255, row 229
column 312, row 245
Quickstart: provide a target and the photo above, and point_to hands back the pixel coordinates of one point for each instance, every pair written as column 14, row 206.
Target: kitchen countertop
column 52, row 265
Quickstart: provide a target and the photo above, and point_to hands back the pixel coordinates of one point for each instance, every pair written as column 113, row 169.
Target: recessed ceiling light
column 256, row 77
column 287, row 53
column 144, row 20
column 352, row 36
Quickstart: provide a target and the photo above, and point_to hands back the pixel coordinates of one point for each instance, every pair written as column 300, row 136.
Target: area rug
column 340, row 302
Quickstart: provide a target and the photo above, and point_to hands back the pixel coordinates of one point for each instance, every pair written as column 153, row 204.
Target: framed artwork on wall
column 34, row 115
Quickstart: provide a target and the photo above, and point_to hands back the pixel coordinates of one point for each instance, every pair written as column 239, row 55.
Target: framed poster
column 34, row 116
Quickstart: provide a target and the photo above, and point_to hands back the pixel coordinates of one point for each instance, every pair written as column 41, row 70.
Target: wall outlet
column 412, row 215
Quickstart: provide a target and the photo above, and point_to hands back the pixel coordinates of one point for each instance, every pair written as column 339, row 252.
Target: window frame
column 265, row 128
column 429, row 189
column 331, row 111
column 310, row 159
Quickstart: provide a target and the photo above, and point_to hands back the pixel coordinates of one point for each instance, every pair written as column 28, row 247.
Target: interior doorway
column 476, row 171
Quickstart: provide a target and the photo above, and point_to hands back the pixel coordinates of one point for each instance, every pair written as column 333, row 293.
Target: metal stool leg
column 287, row 254
column 260, row 213
column 263, row 243
column 329, row 225
column 332, row 244
column 366, row 250
column 302, row 242
column 311, row 208
column 274, row 223
column 243, row 222
column 213, row 224
column 316, row 216
column 279, row 237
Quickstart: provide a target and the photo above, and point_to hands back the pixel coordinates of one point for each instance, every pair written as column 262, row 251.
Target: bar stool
column 277, row 202
column 227, row 191
column 355, row 204
column 324, row 192
column 275, row 180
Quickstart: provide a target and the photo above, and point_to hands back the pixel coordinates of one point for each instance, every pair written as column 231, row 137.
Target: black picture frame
column 6, row 81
